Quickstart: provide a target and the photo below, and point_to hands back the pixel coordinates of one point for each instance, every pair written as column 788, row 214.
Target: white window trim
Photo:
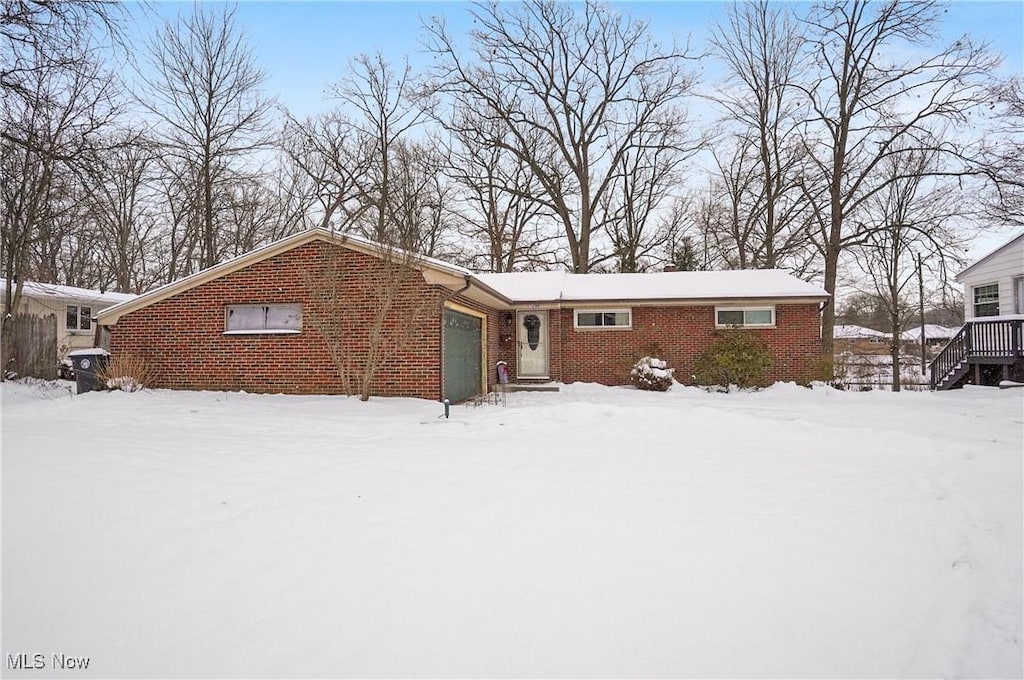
column 998, row 300
column 77, row 329
column 262, row 331
column 625, row 310
column 753, row 308
column 282, row 331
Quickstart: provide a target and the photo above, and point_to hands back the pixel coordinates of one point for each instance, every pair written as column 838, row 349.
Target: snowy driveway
column 594, row 532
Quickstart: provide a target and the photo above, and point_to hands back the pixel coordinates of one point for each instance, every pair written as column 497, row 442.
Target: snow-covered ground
column 594, row 532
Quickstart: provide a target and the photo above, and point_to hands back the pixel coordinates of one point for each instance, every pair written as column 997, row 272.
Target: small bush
column 126, row 372
column 734, row 358
column 651, row 374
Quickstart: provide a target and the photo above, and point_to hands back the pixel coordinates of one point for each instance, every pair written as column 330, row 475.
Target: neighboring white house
column 75, row 309
column 994, row 285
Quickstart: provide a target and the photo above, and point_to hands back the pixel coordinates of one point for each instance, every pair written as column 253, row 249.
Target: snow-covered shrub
column 736, row 358
column 126, row 372
column 651, row 373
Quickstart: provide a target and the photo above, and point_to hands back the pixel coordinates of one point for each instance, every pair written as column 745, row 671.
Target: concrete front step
column 529, row 387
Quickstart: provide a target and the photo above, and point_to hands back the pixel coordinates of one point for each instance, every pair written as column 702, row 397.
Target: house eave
column 667, row 302
column 984, row 258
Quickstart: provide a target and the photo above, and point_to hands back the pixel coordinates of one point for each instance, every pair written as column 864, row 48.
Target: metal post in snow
column 920, row 290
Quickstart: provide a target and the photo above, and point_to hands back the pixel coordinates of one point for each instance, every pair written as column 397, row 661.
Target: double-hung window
column 79, row 318
column 745, row 317
column 265, row 318
column 604, row 318
column 986, row 300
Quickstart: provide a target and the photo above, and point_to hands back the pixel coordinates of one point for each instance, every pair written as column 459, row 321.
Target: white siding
column 67, row 339
column 1001, row 267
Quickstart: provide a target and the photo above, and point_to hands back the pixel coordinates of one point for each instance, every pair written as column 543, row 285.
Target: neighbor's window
column 745, row 317
column 604, row 318
column 79, row 318
column 986, row 300
column 264, row 318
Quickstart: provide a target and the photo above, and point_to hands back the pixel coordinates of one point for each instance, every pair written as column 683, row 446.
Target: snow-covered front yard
column 594, row 532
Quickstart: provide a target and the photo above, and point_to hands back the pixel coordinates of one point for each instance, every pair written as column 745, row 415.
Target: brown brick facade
column 676, row 334
column 183, row 336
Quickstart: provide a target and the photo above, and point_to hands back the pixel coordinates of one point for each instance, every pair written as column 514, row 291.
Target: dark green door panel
column 462, row 356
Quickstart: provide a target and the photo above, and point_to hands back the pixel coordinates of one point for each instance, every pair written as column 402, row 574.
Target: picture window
column 269, row 318
column 745, row 317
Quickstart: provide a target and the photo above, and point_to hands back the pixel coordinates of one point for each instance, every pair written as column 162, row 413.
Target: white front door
column 532, row 339
column 1018, row 284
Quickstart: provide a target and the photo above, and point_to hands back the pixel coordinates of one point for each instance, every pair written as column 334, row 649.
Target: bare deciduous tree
column 573, row 87
column 871, row 102
column 366, row 316
column 385, row 110
column 55, row 111
column 120, row 210
column 51, row 36
column 1005, row 156
column 496, row 207
column 760, row 45
column 644, row 179
column 329, row 150
column 205, row 90
column 911, row 229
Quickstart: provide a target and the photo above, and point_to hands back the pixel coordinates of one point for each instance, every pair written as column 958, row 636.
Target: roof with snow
column 58, row 293
column 523, row 287
column 932, row 331
column 705, row 285
column 351, row 241
column 852, row 332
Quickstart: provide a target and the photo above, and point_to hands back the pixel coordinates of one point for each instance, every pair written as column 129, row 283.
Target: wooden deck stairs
column 983, row 348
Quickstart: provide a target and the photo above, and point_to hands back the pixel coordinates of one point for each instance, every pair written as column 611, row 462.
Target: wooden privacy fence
column 33, row 350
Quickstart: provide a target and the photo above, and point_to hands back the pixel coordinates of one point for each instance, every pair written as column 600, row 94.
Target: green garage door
column 462, row 356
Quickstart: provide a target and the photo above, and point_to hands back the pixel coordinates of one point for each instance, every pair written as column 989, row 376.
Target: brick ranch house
column 281, row 318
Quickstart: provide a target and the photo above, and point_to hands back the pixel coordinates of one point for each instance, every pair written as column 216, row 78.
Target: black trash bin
column 87, row 363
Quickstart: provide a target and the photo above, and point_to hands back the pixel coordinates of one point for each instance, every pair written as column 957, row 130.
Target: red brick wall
column 678, row 335
column 183, row 338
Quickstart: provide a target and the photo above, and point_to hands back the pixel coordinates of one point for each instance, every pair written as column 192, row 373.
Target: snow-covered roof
column 932, row 331
column 850, row 331
column 52, row 291
column 524, row 287
column 352, row 241
column 710, row 285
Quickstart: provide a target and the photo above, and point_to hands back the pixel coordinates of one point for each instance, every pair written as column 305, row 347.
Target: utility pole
column 920, row 291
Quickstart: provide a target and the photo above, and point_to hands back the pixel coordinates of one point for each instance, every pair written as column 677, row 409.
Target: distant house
column 74, row 308
column 989, row 347
column 934, row 335
column 853, row 340
column 264, row 322
column 852, row 332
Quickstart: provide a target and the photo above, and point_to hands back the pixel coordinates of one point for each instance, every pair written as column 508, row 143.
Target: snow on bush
column 126, row 372
column 125, row 383
column 651, row 374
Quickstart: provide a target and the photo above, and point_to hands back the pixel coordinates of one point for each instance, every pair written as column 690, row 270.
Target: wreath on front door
column 532, row 324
